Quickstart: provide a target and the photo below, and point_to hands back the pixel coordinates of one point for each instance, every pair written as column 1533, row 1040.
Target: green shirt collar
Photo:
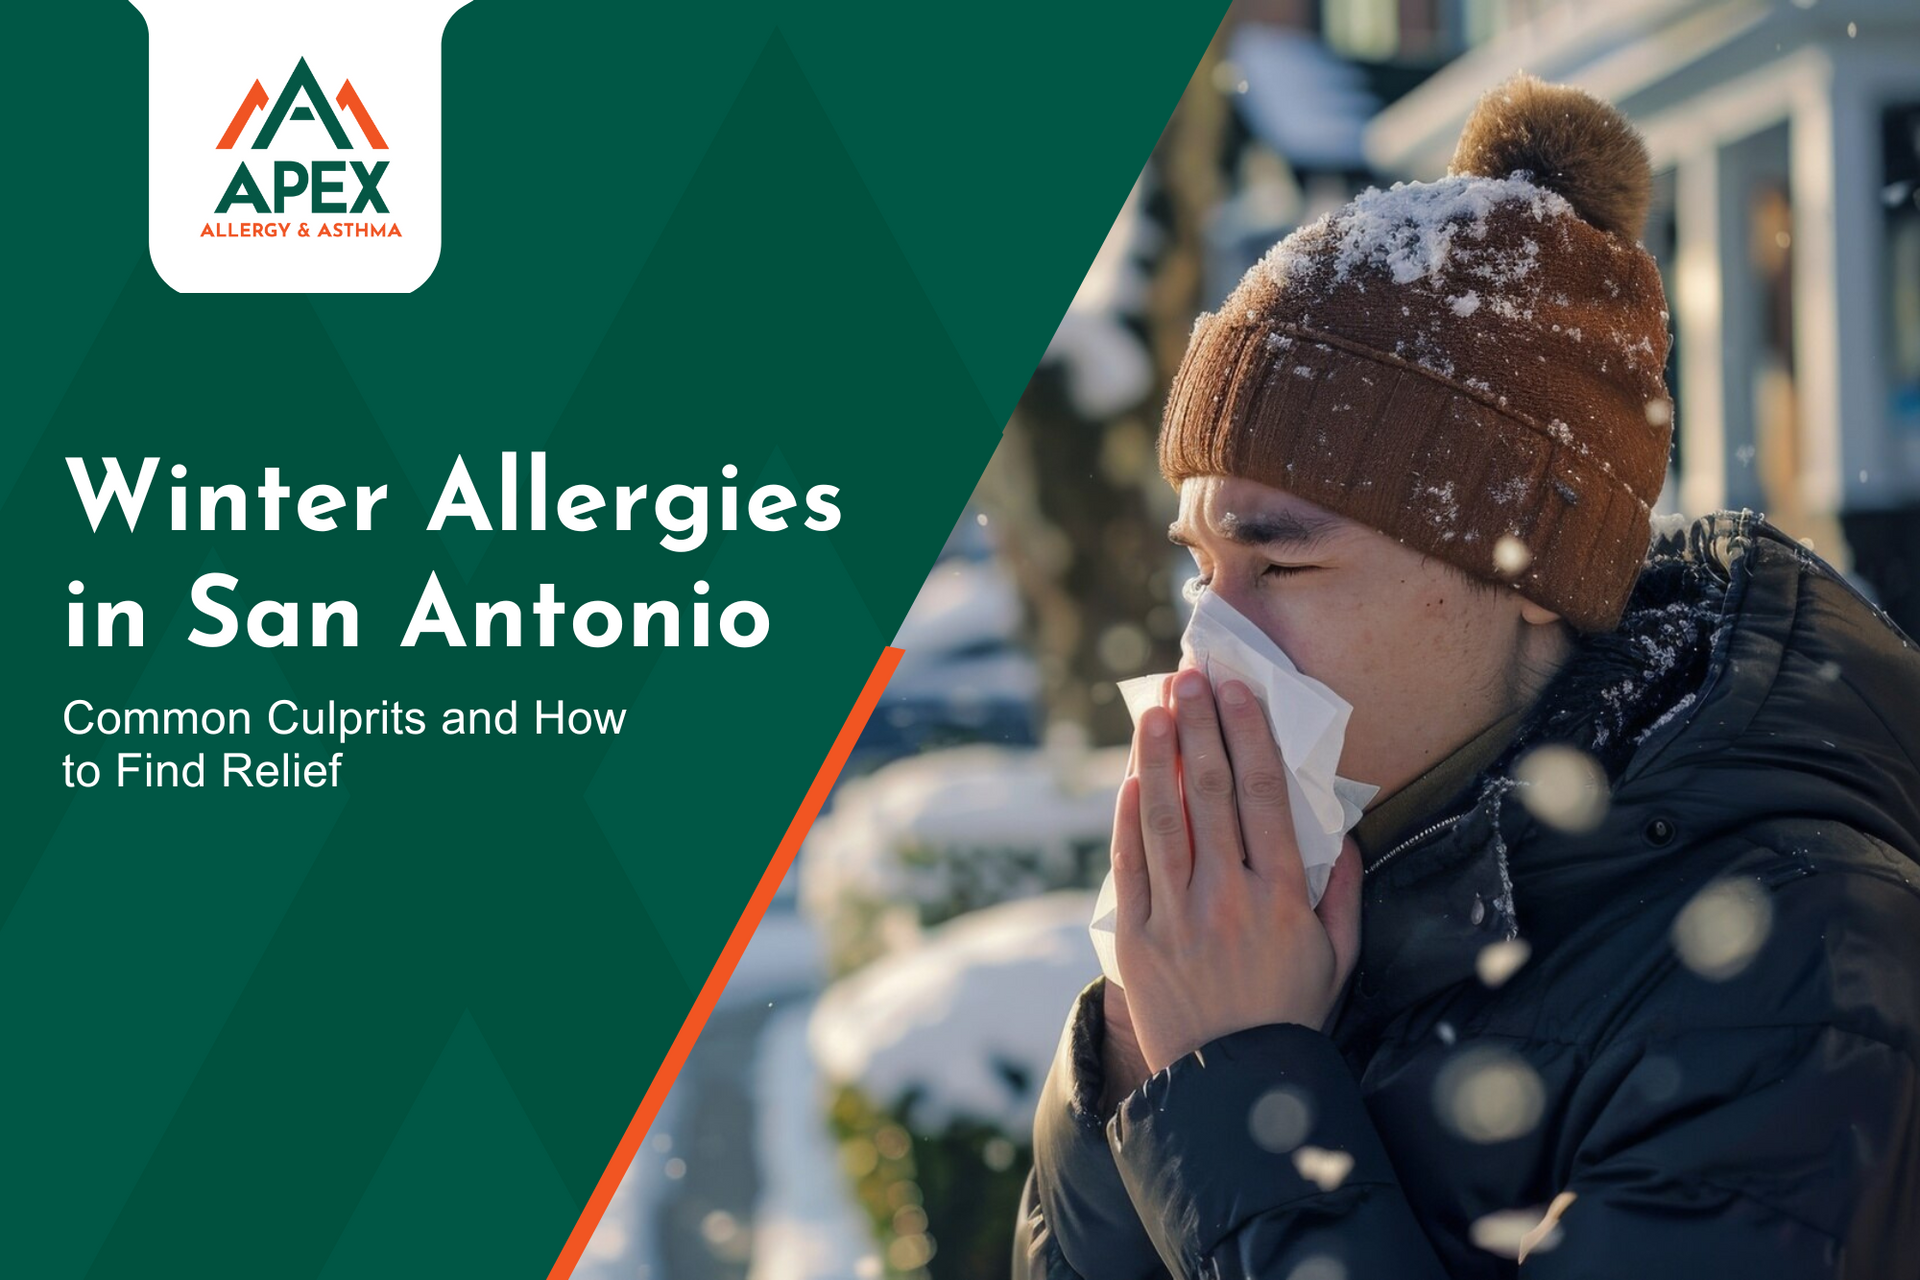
column 1399, row 815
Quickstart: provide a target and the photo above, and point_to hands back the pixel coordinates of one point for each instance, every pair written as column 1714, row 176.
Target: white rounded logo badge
column 293, row 148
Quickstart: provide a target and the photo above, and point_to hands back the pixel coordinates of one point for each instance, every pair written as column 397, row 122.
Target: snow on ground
column 784, row 957
column 968, row 1020
column 805, row 1226
column 625, row 1245
column 941, row 832
column 959, row 638
column 963, row 604
column 965, row 676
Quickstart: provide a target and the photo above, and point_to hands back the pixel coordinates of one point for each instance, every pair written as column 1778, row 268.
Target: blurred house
column 1303, row 81
column 1786, row 139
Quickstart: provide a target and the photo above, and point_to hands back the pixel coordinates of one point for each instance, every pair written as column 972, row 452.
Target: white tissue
column 1309, row 723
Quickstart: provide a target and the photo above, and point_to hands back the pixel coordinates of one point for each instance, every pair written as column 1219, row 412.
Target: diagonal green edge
column 888, row 595
column 1077, row 75
column 1073, row 242
column 1065, row 291
column 695, row 937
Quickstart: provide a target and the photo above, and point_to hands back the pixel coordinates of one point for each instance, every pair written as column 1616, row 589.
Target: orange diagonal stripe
column 723, row 969
column 350, row 101
column 256, row 100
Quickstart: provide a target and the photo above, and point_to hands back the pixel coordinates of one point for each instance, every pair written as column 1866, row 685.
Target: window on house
column 1368, row 30
column 1482, row 20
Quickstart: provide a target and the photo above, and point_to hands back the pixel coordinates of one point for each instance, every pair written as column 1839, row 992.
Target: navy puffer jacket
column 1707, row 1061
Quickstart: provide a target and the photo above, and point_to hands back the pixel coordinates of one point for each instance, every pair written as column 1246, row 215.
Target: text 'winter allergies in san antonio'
column 682, row 512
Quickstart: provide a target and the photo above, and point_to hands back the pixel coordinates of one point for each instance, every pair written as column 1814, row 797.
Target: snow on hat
column 1460, row 361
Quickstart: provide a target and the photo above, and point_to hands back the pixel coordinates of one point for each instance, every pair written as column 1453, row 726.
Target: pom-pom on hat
column 1460, row 361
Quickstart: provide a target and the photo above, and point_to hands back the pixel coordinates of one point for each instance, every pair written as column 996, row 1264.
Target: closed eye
column 1194, row 587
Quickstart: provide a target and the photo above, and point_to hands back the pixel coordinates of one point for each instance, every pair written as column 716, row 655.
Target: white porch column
column 1839, row 252
column 1713, row 310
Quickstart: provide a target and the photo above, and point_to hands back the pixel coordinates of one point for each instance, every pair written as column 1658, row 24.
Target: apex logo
column 269, row 170
column 291, row 178
column 301, row 82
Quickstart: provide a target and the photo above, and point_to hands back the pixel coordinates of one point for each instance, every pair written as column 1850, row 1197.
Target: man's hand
column 1213, row 933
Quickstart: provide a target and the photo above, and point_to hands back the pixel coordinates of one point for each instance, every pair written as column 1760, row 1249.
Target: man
column 1619, row 975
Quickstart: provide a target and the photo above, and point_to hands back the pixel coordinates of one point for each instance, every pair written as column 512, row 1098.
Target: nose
column 1231, row 593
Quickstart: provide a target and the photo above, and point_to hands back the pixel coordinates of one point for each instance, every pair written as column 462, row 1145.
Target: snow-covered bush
column 936, row 1056
column 966, row 676
column 962, row 1025
column 931, row 837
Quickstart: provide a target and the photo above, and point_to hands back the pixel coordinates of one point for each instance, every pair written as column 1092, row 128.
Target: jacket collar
column 1434, row 901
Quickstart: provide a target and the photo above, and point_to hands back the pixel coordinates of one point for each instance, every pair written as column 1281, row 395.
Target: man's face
column 1426, row 661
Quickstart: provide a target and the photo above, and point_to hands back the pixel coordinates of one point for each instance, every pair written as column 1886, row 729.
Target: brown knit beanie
column 1459, row 362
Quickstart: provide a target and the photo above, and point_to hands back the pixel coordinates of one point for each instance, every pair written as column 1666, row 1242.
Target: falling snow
column 1511, row 556
column 1720, row 931
column 1563, row 786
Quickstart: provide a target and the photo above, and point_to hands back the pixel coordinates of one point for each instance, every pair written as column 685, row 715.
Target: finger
column 1339, row 911
column 1260, row 790
column 1133, row 891
column 1163, row 823
column 1133, row 750
column 1206, row 778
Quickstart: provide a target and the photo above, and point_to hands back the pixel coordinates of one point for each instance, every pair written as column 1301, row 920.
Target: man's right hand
column 1123, row 1068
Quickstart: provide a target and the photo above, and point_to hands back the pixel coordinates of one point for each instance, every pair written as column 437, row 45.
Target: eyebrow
column 1278, row 529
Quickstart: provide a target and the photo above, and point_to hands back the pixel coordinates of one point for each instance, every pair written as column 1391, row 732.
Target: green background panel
column 397, row 1028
